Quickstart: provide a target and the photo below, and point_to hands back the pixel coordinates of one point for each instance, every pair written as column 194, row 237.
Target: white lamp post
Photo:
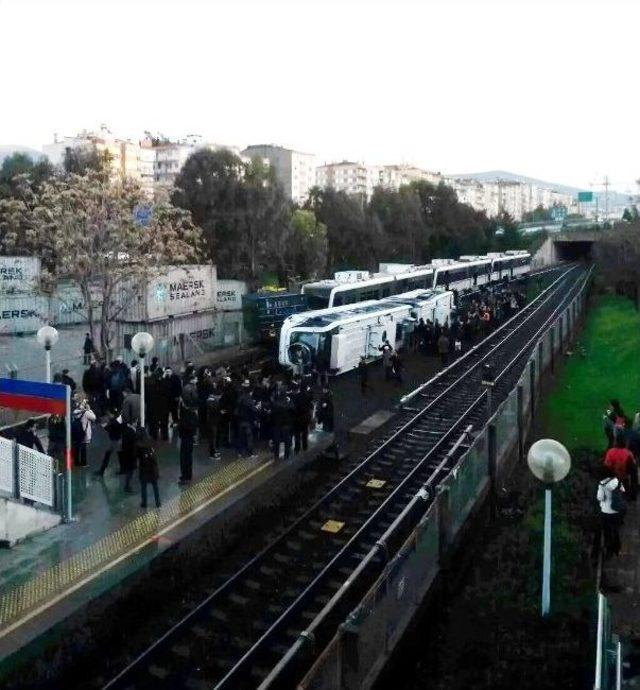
column 142, row 344
column 47, row 336
column 550, row 462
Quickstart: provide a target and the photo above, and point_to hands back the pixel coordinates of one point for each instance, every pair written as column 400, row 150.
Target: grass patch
column 609, row 369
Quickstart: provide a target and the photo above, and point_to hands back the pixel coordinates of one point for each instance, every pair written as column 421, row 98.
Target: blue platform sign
column 142, row 214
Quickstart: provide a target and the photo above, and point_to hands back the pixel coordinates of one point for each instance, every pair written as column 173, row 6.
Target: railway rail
column 260, row 627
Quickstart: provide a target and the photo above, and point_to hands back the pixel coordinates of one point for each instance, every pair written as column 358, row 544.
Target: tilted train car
column 345, row 334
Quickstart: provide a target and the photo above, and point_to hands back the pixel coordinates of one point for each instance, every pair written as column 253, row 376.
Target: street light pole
column 546, row 557
column 47, row 336
column 142, row 343
column 142, row 408
column 550, row 462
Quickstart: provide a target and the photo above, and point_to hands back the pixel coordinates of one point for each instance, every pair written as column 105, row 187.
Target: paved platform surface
column 111, row 526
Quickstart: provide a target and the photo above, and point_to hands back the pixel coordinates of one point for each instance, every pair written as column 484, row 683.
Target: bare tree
column 87, row 231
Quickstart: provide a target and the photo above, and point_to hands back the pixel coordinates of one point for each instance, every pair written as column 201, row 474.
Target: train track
column 291, row 596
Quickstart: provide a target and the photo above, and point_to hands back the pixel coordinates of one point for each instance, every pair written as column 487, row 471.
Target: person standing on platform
column 57, row 438
column 113, row 429
column 325, row 410
column 247, row 415
column 116, row 377
column 131, row 407
column 213, row 422
column 87, row 349
column 443, row 345
column 363, row 375
column 128, row 456
column 68, row 381
column 187, row 429
column 611, row 499
column 387, row 364
column 398, row 366
column 303, row 411
column 282, row 415
column 147, row 468
column 173, row 392
column 93, row 386
column 82, row 417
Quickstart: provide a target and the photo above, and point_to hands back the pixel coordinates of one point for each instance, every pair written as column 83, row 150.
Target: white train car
column 345, row 334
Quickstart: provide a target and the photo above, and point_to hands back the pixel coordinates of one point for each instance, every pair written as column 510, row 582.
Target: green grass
column 609, row 369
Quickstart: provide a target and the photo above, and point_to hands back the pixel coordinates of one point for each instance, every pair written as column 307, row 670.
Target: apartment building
column 346, row 176
column 294, row 170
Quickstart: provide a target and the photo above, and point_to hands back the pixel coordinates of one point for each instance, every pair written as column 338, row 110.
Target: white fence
column 7, row 453
column 27, row 473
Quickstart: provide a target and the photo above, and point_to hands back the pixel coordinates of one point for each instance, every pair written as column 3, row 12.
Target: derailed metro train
column 365, row 311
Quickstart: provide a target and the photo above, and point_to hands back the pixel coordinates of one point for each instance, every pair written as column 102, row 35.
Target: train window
column 337, row 300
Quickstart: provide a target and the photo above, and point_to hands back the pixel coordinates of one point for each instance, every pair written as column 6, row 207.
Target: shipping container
column 170, row 291
column 19, row 274
column 22, row 314
column 229, row 294
column 264, row 313
column 68, row 308
column 183, row 337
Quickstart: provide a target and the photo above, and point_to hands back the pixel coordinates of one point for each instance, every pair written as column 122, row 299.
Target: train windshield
column 318, row 297
column 305, row 345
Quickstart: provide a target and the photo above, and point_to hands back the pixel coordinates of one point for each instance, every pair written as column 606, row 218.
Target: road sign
column 142, row 214
column 558, row 214
column 585, row 196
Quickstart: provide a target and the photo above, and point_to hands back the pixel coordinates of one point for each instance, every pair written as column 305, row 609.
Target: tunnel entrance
column 574, row 251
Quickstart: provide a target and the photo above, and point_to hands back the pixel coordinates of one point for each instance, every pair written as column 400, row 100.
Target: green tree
column 307, row 245
column 79, row 160
column 19, row 168
column 83, row 228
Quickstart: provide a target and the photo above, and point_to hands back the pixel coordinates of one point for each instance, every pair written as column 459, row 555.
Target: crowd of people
column 619, row 481
column 225, row 408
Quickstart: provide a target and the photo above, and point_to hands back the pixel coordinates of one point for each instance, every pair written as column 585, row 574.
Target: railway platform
column 47, row 577
column 51, row 575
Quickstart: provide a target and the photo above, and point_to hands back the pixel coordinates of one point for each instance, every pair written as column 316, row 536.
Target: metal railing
column 356, row 654
column 28, row 474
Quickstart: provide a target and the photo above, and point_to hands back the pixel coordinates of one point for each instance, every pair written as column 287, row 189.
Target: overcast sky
column 547, row 89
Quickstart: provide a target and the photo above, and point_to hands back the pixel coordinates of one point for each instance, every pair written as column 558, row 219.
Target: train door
column 376, row 335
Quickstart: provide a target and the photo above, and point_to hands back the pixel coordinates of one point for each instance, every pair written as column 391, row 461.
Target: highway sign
column 585, row 196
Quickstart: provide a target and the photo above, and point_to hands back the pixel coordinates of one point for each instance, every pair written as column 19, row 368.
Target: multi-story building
column 293, row 169
column 357, row 178
column 346, row 176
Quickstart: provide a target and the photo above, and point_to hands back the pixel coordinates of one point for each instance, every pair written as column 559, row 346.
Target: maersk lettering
column 9, row 314
column 186, row 289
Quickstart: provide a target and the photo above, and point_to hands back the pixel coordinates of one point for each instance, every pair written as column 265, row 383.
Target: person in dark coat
column 57, row 429
column 68, row 381
column 247, row 416
column 87, row 349
column 128, row 456
column 114, row 429
column 282, row 417
column 228, row 405
column 325, row 411
column 363, row 375
column 213, row 422
column 187, row 429
column 173, row 392
column 147, row 467
column 303, row 410
column 93, row 386
column 398, row 366
column 27, row 436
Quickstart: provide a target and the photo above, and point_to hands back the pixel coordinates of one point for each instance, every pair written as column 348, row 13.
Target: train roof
column 326, row 318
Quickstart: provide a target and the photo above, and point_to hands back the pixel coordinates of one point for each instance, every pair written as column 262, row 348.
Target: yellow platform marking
column 31, row 598
column 332, row 526
column 376, row 483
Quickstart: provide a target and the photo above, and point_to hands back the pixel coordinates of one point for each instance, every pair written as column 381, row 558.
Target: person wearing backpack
column 147, row 466
column 611, row 501
column 115, row 384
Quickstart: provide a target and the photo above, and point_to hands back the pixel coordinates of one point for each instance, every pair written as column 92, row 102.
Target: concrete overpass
column 566, row 246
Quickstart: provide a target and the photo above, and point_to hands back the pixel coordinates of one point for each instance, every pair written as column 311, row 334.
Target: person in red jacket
column 620, row 459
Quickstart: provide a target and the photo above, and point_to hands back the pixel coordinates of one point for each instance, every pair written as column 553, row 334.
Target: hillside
column 7, row 150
